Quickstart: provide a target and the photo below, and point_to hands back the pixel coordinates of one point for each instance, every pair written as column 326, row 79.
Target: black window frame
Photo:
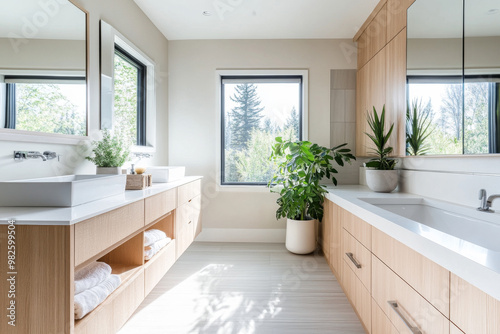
column 10, row 103
column 141, row 92
column 223, row 119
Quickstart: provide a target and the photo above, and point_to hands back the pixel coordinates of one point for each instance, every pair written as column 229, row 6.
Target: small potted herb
column 109, row 154
column 381, row 175
column 301, row 166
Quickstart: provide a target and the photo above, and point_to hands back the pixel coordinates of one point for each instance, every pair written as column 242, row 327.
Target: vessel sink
column 60, row 191
column 465, row 223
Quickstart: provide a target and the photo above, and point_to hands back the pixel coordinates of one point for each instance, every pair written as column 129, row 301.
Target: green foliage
column 110, row 151
column 246, row 116
column 418, row 126
column 301, row 167
column 476, row 127
column 125, row 98
column 293, row 121
column 377, row 125
column 44, row 108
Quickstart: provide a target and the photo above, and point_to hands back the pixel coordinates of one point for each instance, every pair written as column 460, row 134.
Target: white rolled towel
column 91, row 275
column 152, row 236
column 88, row 300
column 151, row 250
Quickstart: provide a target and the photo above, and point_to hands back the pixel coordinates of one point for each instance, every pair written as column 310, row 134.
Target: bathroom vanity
column 52, row 243
column 402, row 276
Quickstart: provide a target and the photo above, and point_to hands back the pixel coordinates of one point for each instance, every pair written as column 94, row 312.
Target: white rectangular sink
column 479, row 228
column 164, row 174
column 60, row 191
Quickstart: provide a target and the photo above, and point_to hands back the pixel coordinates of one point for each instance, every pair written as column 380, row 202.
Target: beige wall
column 193, row 112
column 127, row 18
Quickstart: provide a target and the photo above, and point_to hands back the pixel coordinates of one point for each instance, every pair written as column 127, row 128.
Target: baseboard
column 242, row 235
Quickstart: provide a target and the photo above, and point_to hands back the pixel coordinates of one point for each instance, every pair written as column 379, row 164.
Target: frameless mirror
column 43, row 68
column 128, row 101
column 453, row 71
column 434, row 74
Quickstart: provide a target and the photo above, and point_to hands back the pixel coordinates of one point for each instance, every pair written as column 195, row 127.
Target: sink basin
column 479, row 228
column 61, row 191
column 165, row 174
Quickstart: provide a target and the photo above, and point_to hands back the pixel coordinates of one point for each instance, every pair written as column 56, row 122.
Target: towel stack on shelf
column 154, row 240
column 93, row 284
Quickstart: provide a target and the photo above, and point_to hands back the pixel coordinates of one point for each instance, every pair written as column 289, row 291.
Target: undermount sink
column 61, row 191
column 479, row 228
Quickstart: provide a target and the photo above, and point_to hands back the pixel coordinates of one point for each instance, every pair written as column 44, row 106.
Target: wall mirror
column 128, row 100
column 453, row 73
column 43, row 71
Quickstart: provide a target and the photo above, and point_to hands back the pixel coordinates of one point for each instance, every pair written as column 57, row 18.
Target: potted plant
column 301, row 166
column 109, row 154
column 418, row 128
column 381, row 175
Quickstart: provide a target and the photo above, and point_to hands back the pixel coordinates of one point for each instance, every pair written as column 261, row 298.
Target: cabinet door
column 336, row 240
column 326, row 228
column 472, row 310
column 428, row 278
column 195, row 212
column 184, row 231
column 389, row 287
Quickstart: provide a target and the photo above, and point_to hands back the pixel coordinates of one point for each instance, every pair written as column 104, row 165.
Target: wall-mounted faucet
column 486, row 202
column 23, row 155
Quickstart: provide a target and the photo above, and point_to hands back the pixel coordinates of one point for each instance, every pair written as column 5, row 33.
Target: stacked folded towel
column 154, row 240
column 93, row 284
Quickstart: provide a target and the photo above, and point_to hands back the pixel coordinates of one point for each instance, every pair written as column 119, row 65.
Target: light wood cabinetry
column 472, row 310
column 326, row 229
column 336, row 240
column 380, row 322
column 96, row 235
column 48, row 256
column 387, row 287
column 429, row 279
column 358, row 228
column 358, row 258
column 454, row 329
column 189, row 191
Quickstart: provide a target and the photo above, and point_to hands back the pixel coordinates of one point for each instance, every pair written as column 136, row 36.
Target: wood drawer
column 158, row 266
column 426, row 277
column 188, row 191
column 359, row 254
column 387, row 286
column 472, row 310
column 358, row 228
column 454, row 329
column 112, row 314
column 158, row 205
column 358, row 295
column 97, row 234
column 380, row 322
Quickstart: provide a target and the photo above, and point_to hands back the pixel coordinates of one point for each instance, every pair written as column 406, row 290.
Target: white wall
column 193, row 114
column 127, row 18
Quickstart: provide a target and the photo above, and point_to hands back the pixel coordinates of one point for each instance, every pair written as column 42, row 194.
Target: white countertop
column 73, row 215
column 478, row 266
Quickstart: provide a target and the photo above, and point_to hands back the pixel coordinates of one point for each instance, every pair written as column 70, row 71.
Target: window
column 46, row 104
column 129, row 82
column 254, row 111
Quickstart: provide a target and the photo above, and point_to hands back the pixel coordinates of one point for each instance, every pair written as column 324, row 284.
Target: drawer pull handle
column 189, row 222
column 395, row 307
column 353, row 260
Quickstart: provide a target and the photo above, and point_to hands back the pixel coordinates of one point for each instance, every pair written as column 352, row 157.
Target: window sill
column 243, row 188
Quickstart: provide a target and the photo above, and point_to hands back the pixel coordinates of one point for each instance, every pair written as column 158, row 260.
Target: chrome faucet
column 23, row 155
column 486, row 202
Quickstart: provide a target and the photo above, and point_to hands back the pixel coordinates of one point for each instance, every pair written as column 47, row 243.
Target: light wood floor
column 239, row 288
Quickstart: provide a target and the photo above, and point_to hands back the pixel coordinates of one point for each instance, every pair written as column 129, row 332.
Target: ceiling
column 30, row 19
column 257, row 19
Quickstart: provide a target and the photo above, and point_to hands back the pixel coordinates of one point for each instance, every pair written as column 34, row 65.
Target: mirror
column 452, row 75
column 128, row 101
column 43, row 68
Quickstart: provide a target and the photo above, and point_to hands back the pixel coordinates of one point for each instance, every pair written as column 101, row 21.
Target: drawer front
column 159, row 266
column 195, row 208
column 387, row 286
column 183, row 241
column 454, row 329
column 125, row 304
column 184, row 219
column 380, row 322
column 99, row 233
column 428, row 278
column 358, row 258
column 358, row 228
column 472, row 310
column 160, row 204
column 358, row 295
column 189, row 191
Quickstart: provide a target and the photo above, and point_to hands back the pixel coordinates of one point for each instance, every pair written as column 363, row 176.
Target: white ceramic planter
column 382, row 181
column 301, row 236
column 109, row 170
